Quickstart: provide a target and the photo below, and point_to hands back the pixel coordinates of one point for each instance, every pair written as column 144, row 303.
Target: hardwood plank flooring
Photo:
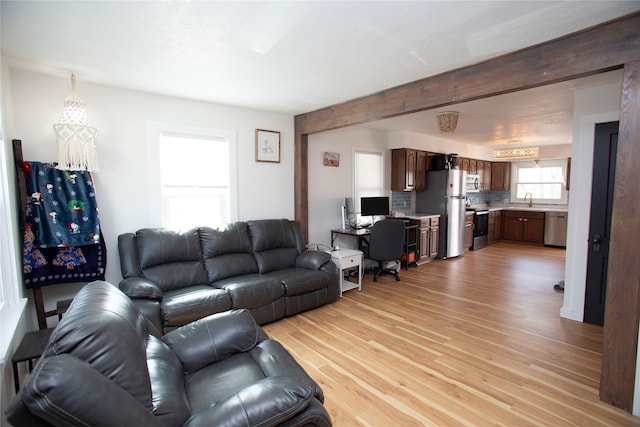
column 475, row 340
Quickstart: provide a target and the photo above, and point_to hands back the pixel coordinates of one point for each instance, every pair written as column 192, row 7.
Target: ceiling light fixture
column 76, row 139
column 447, row 121
column 516, row 153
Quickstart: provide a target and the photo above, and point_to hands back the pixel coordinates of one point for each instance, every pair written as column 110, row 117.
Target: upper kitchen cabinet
column 483, row 169
column 500, row 176
column 473, row 166
column 464, row 164
column 408, row 169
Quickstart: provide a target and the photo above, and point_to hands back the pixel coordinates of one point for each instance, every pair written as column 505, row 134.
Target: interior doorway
column 604, row 171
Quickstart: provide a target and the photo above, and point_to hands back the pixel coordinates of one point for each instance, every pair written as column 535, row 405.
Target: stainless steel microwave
column 472, row 183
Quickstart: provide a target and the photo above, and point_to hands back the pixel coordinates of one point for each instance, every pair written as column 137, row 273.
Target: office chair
column 386, row 243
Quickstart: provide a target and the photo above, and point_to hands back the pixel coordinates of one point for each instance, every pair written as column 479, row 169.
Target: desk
column 360, row 233
column 410, row 242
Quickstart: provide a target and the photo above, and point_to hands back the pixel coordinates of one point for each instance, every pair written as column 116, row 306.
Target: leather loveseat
column 262, row 266
column 106, row 365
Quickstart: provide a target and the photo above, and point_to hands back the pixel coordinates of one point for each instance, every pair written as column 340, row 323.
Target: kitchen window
column 543, row 179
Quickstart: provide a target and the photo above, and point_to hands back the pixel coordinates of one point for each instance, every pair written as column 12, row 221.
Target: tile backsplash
column 401, row 201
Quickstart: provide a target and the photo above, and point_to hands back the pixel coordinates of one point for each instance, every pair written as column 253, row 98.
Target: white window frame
column 12, row 303
column 515, row 166
column 155, row 130
column 375, row 192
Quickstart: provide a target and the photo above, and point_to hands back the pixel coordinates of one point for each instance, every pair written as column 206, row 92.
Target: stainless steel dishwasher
column 555, row 229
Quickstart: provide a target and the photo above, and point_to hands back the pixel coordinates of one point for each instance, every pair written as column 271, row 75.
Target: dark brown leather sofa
column 105, row 365
column 262, row 266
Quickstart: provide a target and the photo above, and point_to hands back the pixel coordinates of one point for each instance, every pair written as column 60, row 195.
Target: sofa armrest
column 312, row 260
column 214, row 338
column 85, row 397
column 135, row 287
column 270, row 401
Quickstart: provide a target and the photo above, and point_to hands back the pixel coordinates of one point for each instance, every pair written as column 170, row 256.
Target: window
column 12, row 304
column 544, row 180
column 197, row 176
column 368, row 175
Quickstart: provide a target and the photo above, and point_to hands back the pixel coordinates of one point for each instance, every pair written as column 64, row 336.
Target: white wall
column 403, row 139
column 328, row 186
column 591, row 105
column 125, row 199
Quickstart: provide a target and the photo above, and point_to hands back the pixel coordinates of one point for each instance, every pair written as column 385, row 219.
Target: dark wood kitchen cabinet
column 523, row 226
column 464, row 164
column 468, row 230
column 408, row 168
column 434, row 237
column 500, row 176
column 473, row 166
column 429, row 232
column 495, row 226
column 483, row 169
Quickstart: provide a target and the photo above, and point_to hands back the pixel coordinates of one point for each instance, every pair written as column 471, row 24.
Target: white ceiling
column 298, row 56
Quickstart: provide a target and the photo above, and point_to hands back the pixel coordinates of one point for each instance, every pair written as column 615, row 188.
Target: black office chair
column 386, row 243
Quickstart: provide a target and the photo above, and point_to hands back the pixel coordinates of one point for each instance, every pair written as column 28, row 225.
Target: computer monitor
column 372, row 206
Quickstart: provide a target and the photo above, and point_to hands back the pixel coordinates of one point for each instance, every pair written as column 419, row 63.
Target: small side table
column 345, row 260
column 31, row 347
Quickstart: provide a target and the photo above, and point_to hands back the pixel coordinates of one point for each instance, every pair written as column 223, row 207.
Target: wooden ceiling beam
column 602, row 48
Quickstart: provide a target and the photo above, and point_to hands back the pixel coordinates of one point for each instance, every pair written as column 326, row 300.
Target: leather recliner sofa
column 262, row 266
column 106, row 365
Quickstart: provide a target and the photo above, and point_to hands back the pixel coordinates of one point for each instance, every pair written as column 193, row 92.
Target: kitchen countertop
column 534, row 208
column 420, row 215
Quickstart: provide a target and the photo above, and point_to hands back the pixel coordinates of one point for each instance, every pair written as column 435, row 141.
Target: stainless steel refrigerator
column 445, row 194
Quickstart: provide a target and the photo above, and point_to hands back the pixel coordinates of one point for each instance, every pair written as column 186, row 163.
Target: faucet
column 530, row 199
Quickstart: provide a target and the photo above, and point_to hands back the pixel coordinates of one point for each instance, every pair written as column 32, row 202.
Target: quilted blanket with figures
column 62, row 236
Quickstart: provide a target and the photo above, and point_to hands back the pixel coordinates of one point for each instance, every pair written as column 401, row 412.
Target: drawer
column 425, row 223
column 348, row 261
column 435, row 221
column 534, row 215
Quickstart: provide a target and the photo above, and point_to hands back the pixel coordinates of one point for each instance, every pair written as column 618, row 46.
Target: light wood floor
column 475, row 340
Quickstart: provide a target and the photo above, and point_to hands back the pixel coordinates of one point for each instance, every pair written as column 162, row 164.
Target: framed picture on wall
column 331, row 159
column 267, row 146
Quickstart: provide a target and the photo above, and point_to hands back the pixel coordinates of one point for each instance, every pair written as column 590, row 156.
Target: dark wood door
column 604, row 170
column 512, row 227
column 434, row 236
column 500, row 174
column 423, row 246
column 533, row 230
column 421, row 170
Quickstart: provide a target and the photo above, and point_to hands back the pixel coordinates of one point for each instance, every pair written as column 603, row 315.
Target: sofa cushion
column 271, row 234
column 299, row 280
column 104, row 328
column 268, row 402
column 171, row 259
column 184, row 305
column 274, row 244
column 234, row 238
column 251, row 290
column 213, row 338
column 227, row 252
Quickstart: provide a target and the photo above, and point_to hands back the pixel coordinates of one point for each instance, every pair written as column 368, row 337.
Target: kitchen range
column 480, row 229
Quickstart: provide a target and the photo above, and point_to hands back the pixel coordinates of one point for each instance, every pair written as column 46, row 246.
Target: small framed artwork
column 331, row 159
column 267, row 146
